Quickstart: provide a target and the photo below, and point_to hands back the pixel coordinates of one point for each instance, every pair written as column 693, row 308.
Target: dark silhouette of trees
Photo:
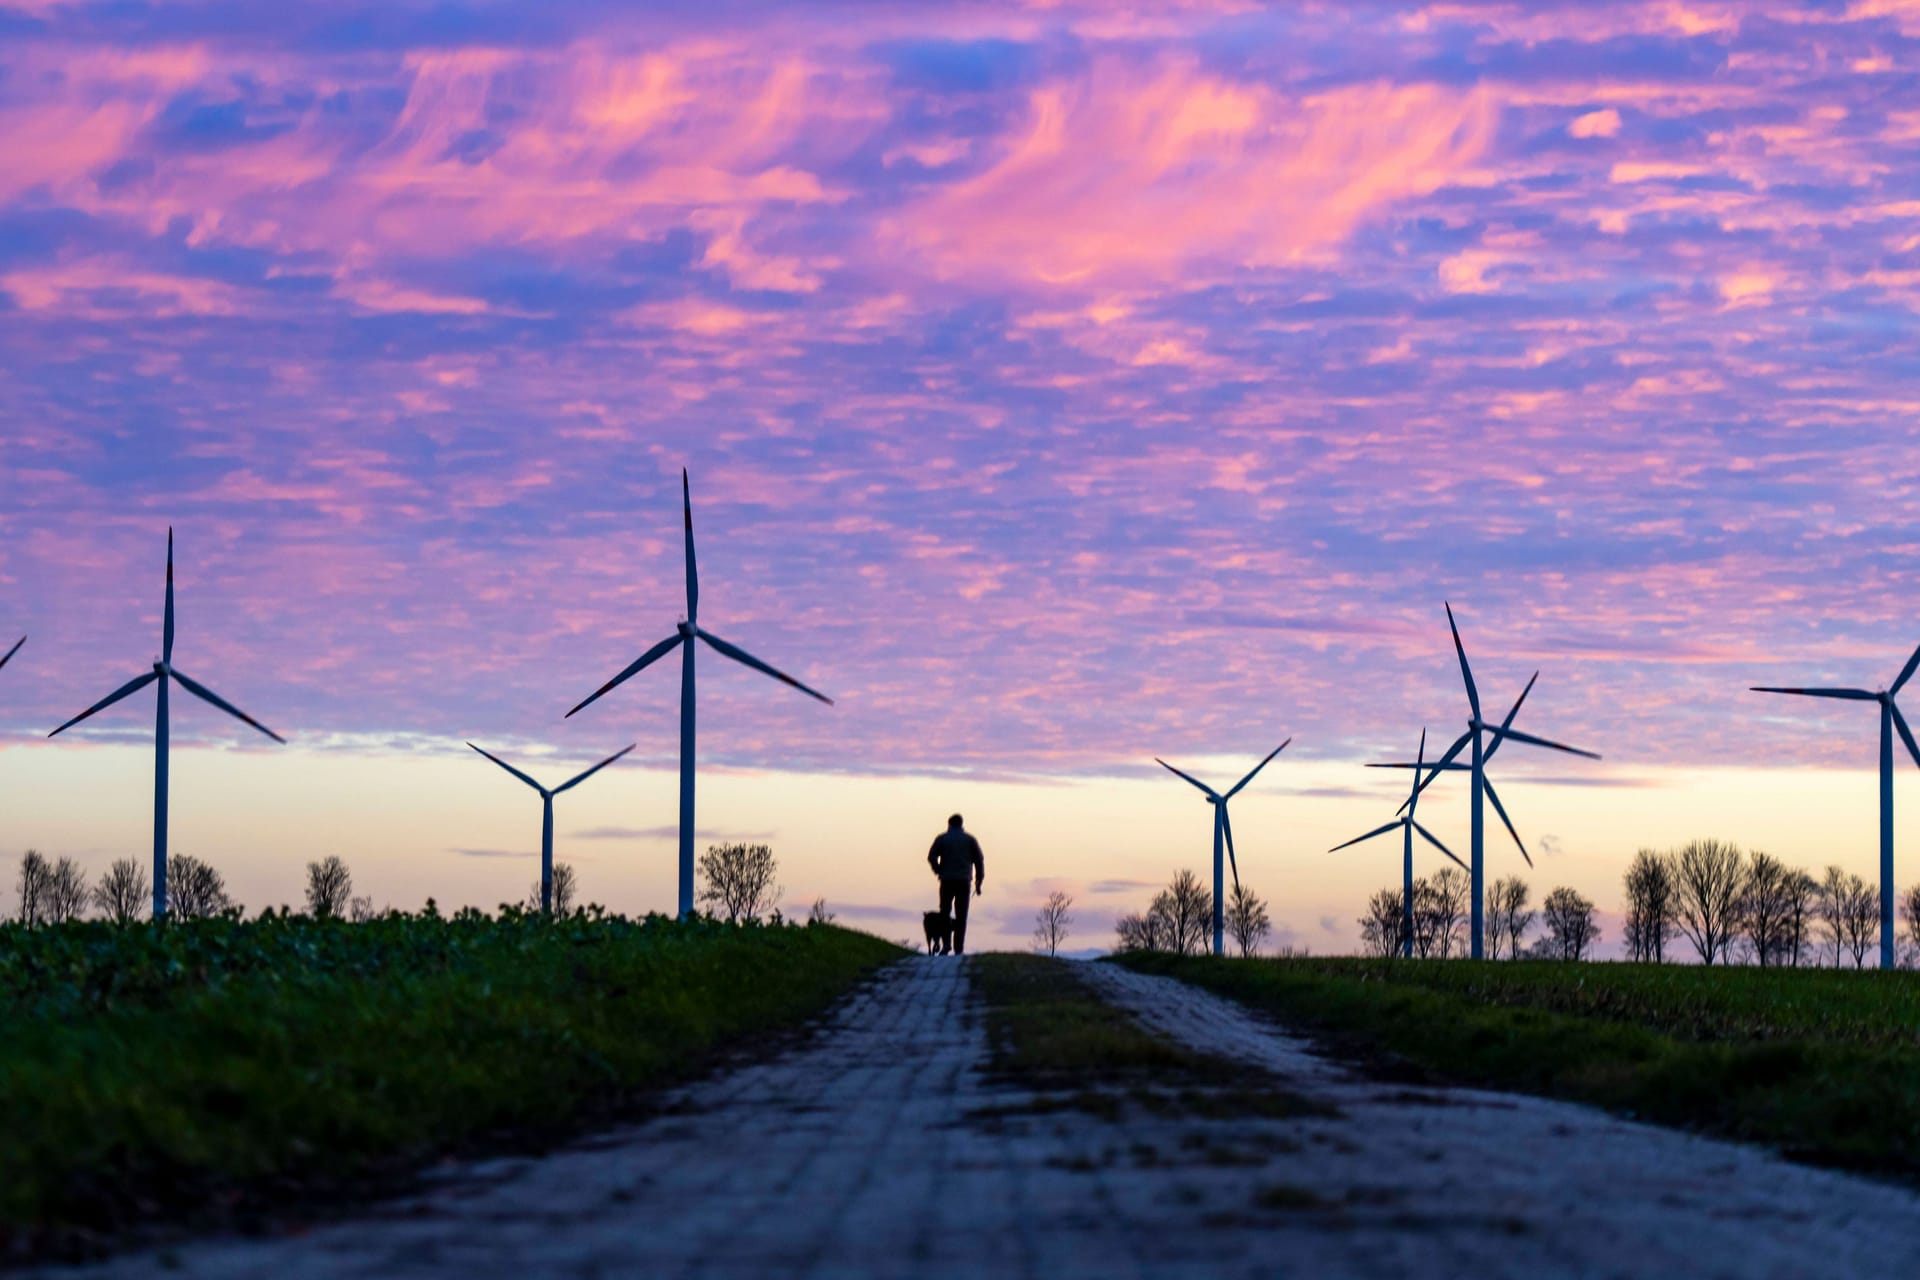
column 1052, row 922
column 195, row 889
column 1439, row 911
column 1910, row 912
column 1802, row 892
column 1568, row 918
column 1381, row 928
column 66, row 892
column 124, row 892
column 819, row 913
column 1508, row 918
column 1180, row 919
column 31, row 885
column 1708, row 876
column 329, row 888
column 1766, row 909
column 1650, row 906
column 1848, row 909
column 738, row 880
column 1248, row 922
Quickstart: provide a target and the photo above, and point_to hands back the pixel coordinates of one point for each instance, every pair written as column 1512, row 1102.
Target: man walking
column 955, row 857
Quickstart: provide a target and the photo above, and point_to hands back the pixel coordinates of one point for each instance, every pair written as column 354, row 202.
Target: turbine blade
column 1226, row 823
column 1508, row 722
column 693, row 573
column 510, row 769
column 1419, row 757
column 1380, row 830
column 1456, row 767
column 132, row 686
column 166, row 627
column 1846, row 695
column 1906, row 672
column 576, row 781
column 1502, row 811
column 1434, row 840
column 1518, row 736
column 16, row 648
column 742, row 656
column 1442, row 765
column 652, row 655
column 1906, row 735
column 1466, row 672
column 205, row 694
column 1189, row 777
column 1257, row 768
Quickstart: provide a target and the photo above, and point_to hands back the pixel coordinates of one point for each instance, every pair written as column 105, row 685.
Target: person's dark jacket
column 955, row 855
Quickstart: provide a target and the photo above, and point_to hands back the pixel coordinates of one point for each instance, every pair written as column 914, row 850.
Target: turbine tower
column 1408, row 826
column 163, row 670
column 546, row 817
column 1890, row 720
column 1478, row 731
column 1222, row 832
column 683, row 637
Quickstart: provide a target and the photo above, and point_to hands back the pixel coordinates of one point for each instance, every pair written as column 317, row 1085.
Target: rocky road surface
column 878, row 1148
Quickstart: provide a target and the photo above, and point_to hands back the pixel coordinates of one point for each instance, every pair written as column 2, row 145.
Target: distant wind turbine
column 687, row 631
column 1407, row 825
column 1890, row 720
column 546, row 817
column 161, row 671
column 1222, row 833
column 1477, row 731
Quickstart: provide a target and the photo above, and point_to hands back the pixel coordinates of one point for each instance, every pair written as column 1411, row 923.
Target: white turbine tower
column 1477, row 732
column 1890, row 720
column 546, row 816
column 1222, row 833
column 1407, row 825
column 683, row 637
column 163, row 670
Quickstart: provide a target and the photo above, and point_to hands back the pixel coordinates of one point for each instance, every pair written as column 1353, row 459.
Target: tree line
column 1180, row 919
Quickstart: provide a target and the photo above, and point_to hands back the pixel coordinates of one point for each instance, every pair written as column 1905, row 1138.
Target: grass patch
column 201, row 1070
column 1822, row 1066
column 1052, row 1035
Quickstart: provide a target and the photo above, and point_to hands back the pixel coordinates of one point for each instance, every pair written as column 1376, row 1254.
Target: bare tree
column 1051, row 922
column 738, row 880
column 1133, row 933
column 1248, row 922
column 1439, row 911
column 1829, row 908
column 35, row 871
column 819, row 913
column 123, row 892
column 1910, row 912
column 1707, row 879
column 195, row 889
column 1382, row 928
column 1650, row 906
column 329, row 888
column 1766, row 909
column 566, row 887
column 1802, row 892
column 66, row 895
column 1571, row 930
column 360, row 910
column 1189, row 911
column 1860, row 918
column 1507, row 916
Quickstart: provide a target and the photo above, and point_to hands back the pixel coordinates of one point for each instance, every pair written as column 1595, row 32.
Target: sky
column 1061, row 385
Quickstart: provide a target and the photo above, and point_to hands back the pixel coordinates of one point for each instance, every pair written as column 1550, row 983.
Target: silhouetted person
column 955, row 857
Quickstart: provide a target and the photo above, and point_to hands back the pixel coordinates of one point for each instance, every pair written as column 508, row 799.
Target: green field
column 199, row 1070
column 1822, row 1064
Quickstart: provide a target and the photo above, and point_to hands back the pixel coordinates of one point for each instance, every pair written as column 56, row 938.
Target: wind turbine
column 1408, row 826
column 546, row 817
column 1222, row 830
column 9, row 653
column 162, row 670
column 1475, row 736
column 1890, row 719
column 684, row 635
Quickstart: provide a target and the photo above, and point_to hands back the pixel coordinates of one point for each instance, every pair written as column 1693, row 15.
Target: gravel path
column 864, row 1152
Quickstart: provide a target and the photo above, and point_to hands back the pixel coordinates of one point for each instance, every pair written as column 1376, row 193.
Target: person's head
column 954, row 822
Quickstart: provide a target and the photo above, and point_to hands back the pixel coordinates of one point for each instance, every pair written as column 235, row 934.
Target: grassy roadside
column 200, row 1070
column 1050, row 1033
column 1823, row 1066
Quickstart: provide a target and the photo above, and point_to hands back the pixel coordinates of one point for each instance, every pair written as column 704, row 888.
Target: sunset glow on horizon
column 1061, row 385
